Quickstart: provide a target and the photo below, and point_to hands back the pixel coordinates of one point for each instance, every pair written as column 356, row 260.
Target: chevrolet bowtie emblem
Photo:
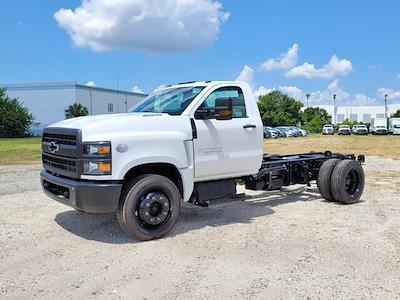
column 53, row 147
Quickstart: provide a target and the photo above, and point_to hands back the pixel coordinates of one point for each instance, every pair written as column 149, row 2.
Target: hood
column 102, row 127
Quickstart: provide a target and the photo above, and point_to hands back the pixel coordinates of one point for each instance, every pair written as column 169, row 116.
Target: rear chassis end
column 278, row 171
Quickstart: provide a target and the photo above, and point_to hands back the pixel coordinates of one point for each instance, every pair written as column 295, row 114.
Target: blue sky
column 219, row 42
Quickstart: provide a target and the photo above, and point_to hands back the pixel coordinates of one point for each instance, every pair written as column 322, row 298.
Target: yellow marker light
column 104, row 150
column 104, row 167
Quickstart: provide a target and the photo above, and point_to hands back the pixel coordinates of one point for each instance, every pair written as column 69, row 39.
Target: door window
column 235, row 93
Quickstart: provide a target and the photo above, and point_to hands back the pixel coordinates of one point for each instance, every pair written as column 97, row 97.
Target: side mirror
column 223, row 109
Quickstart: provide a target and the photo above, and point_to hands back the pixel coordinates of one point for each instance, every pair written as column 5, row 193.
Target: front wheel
column 149, row 207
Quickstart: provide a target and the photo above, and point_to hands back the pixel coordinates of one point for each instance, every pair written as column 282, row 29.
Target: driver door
column 225, row 148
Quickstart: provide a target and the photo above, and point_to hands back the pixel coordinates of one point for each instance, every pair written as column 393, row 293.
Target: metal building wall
column 48, row 101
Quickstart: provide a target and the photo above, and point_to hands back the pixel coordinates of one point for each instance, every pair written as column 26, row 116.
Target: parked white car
column 344, row 130
column 379, row 126
column 328, row 129
column 360, row 130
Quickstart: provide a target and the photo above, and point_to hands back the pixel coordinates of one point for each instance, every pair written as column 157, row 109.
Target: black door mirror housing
column 223, row 109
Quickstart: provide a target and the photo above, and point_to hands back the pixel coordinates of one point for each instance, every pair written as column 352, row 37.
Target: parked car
column 290, row 131
column 360, row 130
column 344, row 130
column 328, row 129
column 270, row 133
column 281, row 132
column 296, row 131
column 379, row 126
column 304, row 132
column 286, row 130
column 394, row 126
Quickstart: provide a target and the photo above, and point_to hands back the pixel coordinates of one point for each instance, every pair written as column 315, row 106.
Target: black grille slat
column 67, row 139
column 59, row 163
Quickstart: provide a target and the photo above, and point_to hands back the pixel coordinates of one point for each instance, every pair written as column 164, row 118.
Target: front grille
column 68, row 165
column 66, row 139
column 62, row 150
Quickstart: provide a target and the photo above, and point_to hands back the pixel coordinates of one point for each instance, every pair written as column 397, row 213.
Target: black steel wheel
column 348, row 181
column 149, row 207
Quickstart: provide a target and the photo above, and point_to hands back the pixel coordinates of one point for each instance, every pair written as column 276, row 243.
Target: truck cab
column 190, row 132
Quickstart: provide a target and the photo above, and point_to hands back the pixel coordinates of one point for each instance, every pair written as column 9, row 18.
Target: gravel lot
column 288, row 244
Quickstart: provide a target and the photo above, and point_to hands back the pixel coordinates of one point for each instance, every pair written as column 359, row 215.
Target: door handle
column 249, row 126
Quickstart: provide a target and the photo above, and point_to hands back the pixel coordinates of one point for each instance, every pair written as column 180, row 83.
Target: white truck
column 394, row 126
column 379, row 126
column 190, row 142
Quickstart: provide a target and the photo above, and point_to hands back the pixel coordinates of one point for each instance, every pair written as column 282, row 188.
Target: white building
column 359, row 113
column 48, row 101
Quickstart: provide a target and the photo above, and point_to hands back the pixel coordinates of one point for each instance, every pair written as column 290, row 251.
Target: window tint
column 238, row 103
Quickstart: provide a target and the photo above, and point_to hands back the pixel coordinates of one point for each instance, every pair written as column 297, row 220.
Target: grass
column 28, row 150
column 383, row 146
column 20, row 151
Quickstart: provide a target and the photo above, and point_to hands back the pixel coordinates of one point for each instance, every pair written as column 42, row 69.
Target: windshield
column 380, row 126
column 170, row 101
column 345, row 126
column 396, row 126
column 362, row 126
column 328, row 126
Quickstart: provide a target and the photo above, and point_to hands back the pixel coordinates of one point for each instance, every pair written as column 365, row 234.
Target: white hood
column 107, row 126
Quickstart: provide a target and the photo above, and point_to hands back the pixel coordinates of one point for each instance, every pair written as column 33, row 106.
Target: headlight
column 97, row 158
column 103, row 148
column 96, row 168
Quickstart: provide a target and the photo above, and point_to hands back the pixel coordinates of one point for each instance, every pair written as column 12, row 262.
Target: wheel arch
column 167, row 170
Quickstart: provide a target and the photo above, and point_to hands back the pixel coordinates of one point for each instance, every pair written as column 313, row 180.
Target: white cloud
column 137, row 89
column 262, row 91
column 293, row 91
column 160, row 87
column 362, row 99
column 155, row 26
column 333, row 68
column 392, row 94
column 246, row 75
column 284, row 61
column 90, row 83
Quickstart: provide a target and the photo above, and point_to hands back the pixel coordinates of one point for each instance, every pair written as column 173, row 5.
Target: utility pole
column 386, row 95
column 308, row 96
column 334, row 109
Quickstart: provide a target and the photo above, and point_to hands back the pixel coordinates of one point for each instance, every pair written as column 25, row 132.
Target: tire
column 324, row 178
column 348, row 181
column 139, row 197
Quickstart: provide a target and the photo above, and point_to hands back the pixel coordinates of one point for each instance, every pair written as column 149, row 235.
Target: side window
column 238, row 103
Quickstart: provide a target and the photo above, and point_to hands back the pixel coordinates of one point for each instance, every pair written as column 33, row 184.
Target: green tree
column 76, row 110
column 314, row 118
column 278, row 109
column 396, row 114
column 15, row 119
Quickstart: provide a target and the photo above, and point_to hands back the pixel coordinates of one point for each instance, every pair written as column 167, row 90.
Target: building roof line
column 63, row 85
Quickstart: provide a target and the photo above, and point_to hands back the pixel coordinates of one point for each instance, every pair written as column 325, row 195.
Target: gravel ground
column 276, row 245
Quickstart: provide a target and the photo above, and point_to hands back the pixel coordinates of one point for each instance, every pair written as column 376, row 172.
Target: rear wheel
column 324, row 178
column 149, row 207
column 347, row 181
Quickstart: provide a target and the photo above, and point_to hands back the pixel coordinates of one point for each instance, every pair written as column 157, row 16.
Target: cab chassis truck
column 192, row 142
